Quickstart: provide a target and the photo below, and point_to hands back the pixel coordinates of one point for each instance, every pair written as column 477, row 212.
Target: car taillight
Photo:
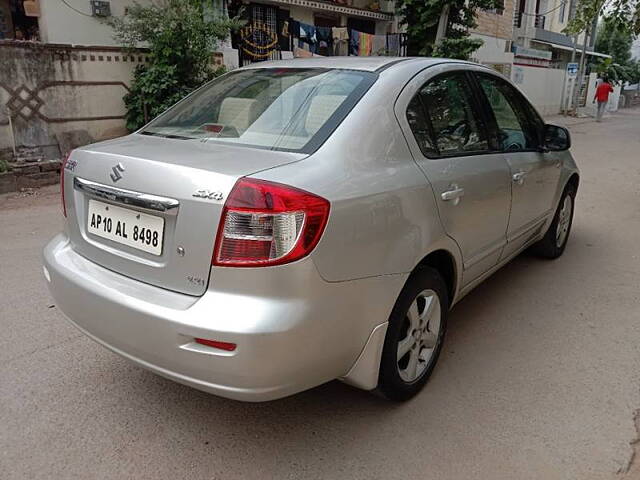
column 62, row 167
column 265, row 223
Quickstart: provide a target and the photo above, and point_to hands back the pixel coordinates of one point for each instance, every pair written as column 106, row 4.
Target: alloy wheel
column 421, row 333
column 564, row 221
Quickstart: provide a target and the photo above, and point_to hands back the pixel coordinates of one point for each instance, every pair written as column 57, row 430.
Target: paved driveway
column 539, row 378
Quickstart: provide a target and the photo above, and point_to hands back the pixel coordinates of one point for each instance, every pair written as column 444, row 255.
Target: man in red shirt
column 602, row 97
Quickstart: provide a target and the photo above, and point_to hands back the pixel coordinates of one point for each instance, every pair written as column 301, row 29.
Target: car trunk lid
column 173, row 189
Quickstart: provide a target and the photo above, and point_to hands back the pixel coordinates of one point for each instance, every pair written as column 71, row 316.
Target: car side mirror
column 556, row 138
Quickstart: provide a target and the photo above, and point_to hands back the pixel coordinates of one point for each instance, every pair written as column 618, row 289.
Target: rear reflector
column 226, row 346
column 265, row 223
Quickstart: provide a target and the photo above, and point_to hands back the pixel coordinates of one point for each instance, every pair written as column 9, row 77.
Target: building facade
column 74, row 22
column 538, row 31
column 525, row 41
column 269, row 24
column 278, row 29
column 495, row 29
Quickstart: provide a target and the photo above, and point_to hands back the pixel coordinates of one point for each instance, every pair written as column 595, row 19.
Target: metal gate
column 259, row 37
column 582, row 95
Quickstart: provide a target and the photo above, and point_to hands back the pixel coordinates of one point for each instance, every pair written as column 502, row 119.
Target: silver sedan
column 295, row 222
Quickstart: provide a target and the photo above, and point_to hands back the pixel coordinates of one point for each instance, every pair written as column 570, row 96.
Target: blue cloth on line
column 354, row 42
column 308, row 35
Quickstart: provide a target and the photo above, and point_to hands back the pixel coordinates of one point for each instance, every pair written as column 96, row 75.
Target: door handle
column 453, row 195
column 519, row 177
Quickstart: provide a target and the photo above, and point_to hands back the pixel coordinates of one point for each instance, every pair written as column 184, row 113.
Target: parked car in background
column 295, row 222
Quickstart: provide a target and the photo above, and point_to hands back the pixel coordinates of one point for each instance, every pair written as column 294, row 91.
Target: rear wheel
column 414, row 337
column 555, row 240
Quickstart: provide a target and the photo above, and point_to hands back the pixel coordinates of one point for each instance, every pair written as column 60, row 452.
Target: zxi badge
column 211, row 195
column 116, row 172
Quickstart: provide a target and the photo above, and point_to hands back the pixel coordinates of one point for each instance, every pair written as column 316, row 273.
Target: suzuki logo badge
column 116, row 172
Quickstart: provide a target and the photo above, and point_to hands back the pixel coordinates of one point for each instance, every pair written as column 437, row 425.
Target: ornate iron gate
column 258, row 39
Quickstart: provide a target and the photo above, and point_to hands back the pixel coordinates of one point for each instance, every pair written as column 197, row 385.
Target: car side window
column 420, row 128
column 516, row 125
column 455, row 124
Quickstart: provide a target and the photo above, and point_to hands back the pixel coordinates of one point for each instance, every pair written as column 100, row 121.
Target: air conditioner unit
column 100, row 8
column 31, row 8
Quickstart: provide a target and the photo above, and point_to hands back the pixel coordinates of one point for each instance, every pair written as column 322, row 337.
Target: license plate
column 128, row 227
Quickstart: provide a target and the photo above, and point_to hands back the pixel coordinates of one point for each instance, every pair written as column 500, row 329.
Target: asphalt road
column 539, row 378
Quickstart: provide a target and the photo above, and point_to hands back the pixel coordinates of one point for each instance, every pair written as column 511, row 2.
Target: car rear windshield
column 273, row 108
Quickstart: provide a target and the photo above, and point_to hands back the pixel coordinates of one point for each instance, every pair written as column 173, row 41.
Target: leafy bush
column 154, row 89
column 181, row 36
column 622, row 14
column 4, row 166
column 458, row 48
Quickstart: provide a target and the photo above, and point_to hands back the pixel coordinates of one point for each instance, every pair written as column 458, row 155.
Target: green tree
column 421, row 18
column 624, row 14
column 614, row 41
column 181, row 36
column 633, row 71
column 615, row 72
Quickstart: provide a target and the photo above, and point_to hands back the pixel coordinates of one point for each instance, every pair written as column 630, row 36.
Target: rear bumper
column 293, row 330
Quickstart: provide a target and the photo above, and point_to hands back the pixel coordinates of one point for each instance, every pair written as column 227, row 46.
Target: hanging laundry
column 354, row 42
column 308, row 35
column 379, row 45
column 340, row 41
column 364, row 46
column 308, row 32
column 393, row 44
column 325, row 40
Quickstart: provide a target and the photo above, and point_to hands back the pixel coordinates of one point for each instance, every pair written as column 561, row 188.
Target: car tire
column 414, row 337
column 555, row 239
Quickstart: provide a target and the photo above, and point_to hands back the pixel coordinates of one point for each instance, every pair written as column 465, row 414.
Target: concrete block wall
column 33, row 175
column 542, row 86
column 50, row 89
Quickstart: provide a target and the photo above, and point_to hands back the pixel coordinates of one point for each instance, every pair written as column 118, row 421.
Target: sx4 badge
column 209, row 194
